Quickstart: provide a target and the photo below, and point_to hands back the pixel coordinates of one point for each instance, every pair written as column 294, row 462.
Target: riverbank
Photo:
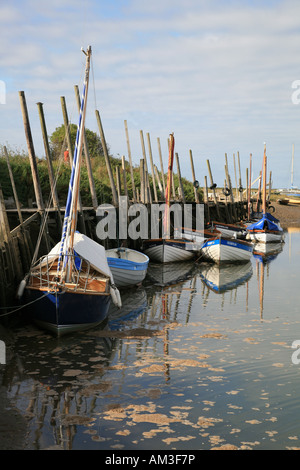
column 289, row 215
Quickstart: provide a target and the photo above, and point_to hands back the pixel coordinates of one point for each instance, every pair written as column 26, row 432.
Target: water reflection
column 221, row 278
column 170, row 273
column 175, row 367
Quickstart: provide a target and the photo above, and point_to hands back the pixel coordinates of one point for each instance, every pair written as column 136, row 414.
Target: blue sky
column 217, row 73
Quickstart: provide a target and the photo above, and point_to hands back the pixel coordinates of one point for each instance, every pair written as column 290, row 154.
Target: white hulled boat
column 129, row 267
column 226, row 250
column 267, row 229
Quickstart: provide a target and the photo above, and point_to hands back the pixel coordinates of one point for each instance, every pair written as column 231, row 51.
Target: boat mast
column 264, row 180
column 70, row 219
column 78, row 148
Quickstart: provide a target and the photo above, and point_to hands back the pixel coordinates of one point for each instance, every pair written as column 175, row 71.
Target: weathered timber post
column 33, row 165
column 124, row 176
column 4, row 225
column 24, row 233
column 13, row 186
column 213, row 187
column 130, row 162
column 67, row 129
column 236, row 188
column 118, row 179
column 158, row 181
column 194, row 178
column 31, row 153
column 49, row 163
column 152, row 168
column 6, row 244
column 148, row 195
column 179, row 178
column 107, row 160
column 161, row 165
column 228, row 179
column 270, row 186
column 142, row 180
column 87, row 156
column 206, row 197
column 240, row 176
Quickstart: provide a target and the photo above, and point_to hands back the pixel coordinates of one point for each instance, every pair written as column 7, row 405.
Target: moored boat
column 230, row 230
column 164, row 250
column 226, row 250
column 267, row 229
column 128, row 267
column 168, row 248
column 71, row 288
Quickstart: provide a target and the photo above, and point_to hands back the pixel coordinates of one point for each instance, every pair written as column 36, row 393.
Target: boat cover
column 91, row 251
column 265, row 223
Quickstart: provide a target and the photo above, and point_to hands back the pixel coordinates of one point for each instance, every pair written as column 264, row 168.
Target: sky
column 223, row 76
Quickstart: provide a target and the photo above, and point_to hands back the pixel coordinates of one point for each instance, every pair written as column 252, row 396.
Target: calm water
column 181, row 367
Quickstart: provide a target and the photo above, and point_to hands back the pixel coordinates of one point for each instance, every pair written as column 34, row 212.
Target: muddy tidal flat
column 198, row 358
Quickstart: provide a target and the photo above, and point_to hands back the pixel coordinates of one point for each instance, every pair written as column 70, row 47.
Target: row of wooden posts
column 17, row 246
column 142, row 194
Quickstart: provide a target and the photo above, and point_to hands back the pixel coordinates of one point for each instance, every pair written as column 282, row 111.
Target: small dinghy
column 128, row 267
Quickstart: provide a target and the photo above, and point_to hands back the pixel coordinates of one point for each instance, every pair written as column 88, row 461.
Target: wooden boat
column 164, row 250
column 213, row 246
column 267, row 229
column 169, row 249
column 128, row 267
column 230, row 230
column 72, row 286
column 226, row 250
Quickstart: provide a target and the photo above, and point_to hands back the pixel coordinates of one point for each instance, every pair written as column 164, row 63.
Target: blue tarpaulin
column 267, row 222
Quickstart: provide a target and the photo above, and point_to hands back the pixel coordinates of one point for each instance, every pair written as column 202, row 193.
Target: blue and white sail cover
column 73, row 192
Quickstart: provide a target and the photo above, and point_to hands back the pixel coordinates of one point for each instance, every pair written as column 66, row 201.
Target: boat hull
column 129, row 269
column 266, row 237
column 266, row 230
column 67, row 312
column 125, row 277
column 222, row 250
column 168, row 251
column 229, row 230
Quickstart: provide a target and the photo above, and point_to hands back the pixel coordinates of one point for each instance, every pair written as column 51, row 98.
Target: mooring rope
column 18, row 307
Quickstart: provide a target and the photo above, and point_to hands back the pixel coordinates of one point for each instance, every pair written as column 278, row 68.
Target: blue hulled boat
column 71, row 288
column 128, row 267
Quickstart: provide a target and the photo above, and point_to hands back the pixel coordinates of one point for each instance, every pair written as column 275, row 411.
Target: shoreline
column 288, row 215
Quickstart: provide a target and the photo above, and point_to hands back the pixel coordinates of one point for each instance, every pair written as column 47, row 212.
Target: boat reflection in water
column 267, row 252
column 169, row 273
column 220, row 278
